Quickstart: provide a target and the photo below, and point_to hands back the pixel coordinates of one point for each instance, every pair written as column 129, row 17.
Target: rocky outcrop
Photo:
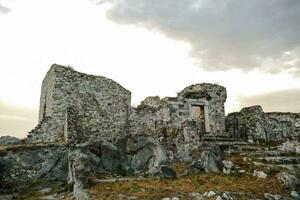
column 131, row 155
column 209, row 161
column 162, row 171
column 26, row 164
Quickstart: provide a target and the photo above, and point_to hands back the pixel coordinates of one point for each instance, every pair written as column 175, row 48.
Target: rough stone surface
column 88, row 131
column 291, row 146
column 24, row 164
column 5, row 140
column 289, row 181
column 259, row 174
column 100, row 105
column 210, row 161
column 162, row 171
column 253, row 123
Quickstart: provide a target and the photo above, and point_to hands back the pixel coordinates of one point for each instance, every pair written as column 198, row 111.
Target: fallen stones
column 227, row 166
column 272, row 196
column 259, row 174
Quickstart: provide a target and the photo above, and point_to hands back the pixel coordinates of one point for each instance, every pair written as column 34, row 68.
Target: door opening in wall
column 198, row 114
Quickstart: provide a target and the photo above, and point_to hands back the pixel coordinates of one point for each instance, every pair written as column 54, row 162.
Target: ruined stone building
column 81, row 107
column 77, row 107
column 87, row 127
column 253, row 123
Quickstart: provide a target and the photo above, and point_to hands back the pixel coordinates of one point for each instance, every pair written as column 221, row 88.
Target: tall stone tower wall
column 101, row 105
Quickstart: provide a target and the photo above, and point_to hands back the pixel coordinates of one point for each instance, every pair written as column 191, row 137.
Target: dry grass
column 181, row 187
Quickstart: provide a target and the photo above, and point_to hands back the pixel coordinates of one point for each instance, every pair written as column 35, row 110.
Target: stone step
column 112, row 180
column 225, row 143
column 217, row 138
column 279, row 160
column 271, row 153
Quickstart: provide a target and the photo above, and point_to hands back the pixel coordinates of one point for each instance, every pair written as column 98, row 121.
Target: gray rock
column 268, row 196
column 227, row 166
column 79, row 192
column 196, row 196
column 45, row 190
column 227, row 196
column 7, row 197
column 210, row 161
column 289, row 181
column 5, row 140
column 219, row 198
column 259, row 174
column 162, row 171
column 23, row 164
column 112, row 158
column 295, row 194
column 291, row 146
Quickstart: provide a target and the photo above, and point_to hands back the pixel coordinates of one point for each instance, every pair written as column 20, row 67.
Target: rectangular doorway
column 198, row 114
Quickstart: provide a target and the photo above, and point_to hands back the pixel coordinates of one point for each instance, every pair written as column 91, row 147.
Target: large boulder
column 144, row 152
column 22, row 165
column 209, row 161
column 162, row 171
column 289, row 181
column 113, row 159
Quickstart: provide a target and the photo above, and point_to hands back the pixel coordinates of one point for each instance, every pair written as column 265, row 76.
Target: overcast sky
column 151, row 47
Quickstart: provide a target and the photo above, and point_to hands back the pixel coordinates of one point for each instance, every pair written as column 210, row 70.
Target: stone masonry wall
column 176, row 111
column 213, row 97
column 253, row 123
column 101, row 105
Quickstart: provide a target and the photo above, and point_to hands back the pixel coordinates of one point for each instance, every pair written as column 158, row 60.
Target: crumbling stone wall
column 253, row 123
column 213, row 97
column 102, row 105
column 172, row 121
column 98, row 108
column 178, row 110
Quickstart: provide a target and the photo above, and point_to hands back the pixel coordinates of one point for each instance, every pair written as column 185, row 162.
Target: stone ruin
column 100, row 108
column 87, row 127
column 253, row 123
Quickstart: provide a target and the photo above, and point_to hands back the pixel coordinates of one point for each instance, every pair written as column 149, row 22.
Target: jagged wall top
column 63, row 77
column 99, row 105
column 204, row 90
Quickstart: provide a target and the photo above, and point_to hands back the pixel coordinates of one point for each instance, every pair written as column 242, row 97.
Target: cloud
column 230, row 34
column 283, row 101
column 3, row 9
column 15, row 120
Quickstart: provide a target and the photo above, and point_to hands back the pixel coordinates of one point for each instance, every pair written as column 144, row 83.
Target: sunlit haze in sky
column 149, row 51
